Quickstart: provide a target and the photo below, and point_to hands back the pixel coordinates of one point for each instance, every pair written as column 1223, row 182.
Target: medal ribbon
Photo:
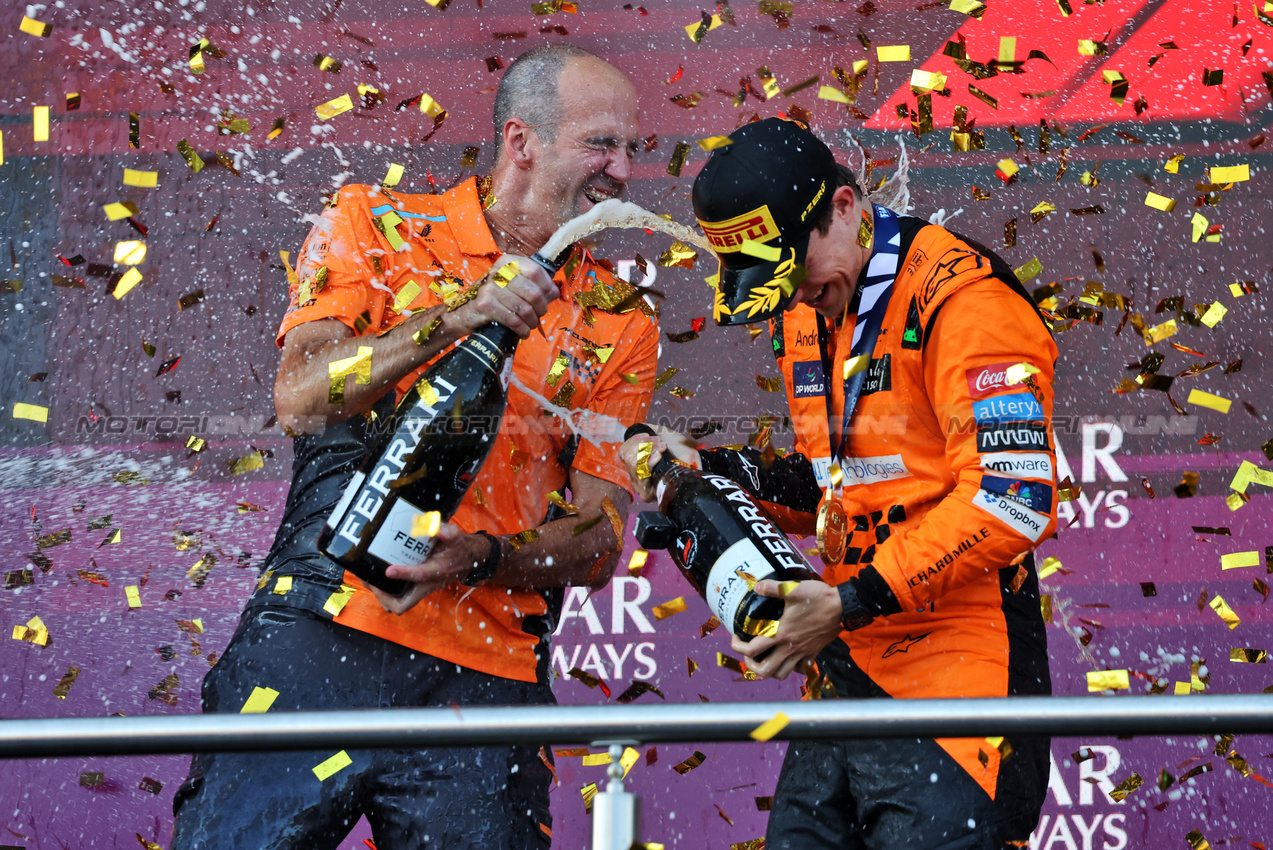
column 875, row 287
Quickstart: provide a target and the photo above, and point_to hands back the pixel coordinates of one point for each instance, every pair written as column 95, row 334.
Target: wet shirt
column 574, row 387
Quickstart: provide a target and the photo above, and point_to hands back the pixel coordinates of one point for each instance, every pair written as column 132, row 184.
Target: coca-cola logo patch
column 987, row 380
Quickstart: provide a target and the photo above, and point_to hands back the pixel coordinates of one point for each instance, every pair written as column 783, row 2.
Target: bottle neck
column 499, row 336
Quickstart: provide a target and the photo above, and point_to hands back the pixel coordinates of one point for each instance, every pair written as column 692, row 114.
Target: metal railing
column 616, row 726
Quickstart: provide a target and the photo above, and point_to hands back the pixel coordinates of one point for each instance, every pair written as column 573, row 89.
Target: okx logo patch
column 808, row 379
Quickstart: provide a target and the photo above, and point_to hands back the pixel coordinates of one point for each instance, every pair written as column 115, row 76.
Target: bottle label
column 345, row 499
column 731, row 577
column 406, row 439
column 393, row 542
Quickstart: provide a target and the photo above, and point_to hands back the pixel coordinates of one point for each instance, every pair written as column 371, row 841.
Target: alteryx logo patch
column 808, row 379
column 1029, row 494
column 1017, row 407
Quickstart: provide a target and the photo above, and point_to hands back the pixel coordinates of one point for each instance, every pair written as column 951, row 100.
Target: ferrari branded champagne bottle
column 723, row 541
column 432, row 448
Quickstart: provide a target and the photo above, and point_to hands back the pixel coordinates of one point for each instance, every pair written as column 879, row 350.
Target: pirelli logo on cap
column 728, row 236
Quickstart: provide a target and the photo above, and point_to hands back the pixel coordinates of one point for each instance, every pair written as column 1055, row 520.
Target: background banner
column 1113, row 152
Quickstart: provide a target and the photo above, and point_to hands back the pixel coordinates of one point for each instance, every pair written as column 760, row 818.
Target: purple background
column 90, row 346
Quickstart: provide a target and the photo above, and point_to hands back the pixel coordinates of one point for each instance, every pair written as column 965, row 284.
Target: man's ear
column 521, row 143
column 845, row 202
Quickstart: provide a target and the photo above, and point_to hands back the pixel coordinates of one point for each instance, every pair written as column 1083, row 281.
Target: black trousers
column 495, row 798
column 900, row 793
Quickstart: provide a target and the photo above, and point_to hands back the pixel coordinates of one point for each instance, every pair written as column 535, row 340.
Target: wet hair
column 528, row 91
column 844, row 176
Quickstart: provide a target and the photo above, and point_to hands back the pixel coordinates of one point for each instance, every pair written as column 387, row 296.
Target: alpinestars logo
column 903, row 645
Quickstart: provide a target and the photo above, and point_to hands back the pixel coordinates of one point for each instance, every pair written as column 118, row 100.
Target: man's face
column 833, row 261
column 591, row 159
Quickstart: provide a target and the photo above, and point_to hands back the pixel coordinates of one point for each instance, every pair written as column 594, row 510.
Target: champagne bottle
column 431, row 449
column 723, row 541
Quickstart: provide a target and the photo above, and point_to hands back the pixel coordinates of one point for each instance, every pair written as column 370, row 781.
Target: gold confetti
column 1102, row 680
column 690, row 763
column 332, row 766
column 1160, row 202
column 1248, row 656
column 1229, row 174
column 130, row 252
column 678, row 255
column 770, row 385
column 1195, row 839
column 40, row 124
column 770, row 727
column 394, row 176
column 521, row 538
column 665, row 376
column 1045, row 606
column 133, row 592
column 589, row 791
column 34, row 412
column 426, row 524
column 402, row 299
column 282, row 585
column 1238, row 560
column 1126, row 787
column 141, row 179
column 1158, row 333
column 423, row 334
column 564, row 396
column 120, row 210
column 338, row 370
column 1050, row 565
column 893, row 53
column 677, row 162
column 259, row 701
column 711, row 143
column 68, row 679
column 130, row 279
column 669, row 608
column 731, row 663
column 30, row 26
column 644, row 450
column 1230, row 617
column 1209, row 400
column 506, row 273
column 338, row 600
column 330, row 109
column 33, row 632
column 247, row 463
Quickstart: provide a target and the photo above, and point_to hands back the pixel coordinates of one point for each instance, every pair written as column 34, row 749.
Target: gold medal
column 833, row 530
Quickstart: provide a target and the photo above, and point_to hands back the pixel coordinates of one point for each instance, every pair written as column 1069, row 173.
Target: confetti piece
column 247, row 463
column 1239, row 560
column 394, row 175
column 333, row 765
column 1126, row 787
column 588, row 791
column 120, row 210
column 690, row 763
column 426, row 524
column 338, row 370
column 34, row 412
column 130, row 279
column 130, row 253
column 282, row 585
column 1213, row 315
column 506, row 273
column 331, row 109
column 133, row 592
column 1248, row 656
column 770, row 727
column 893, row 53
column 338, row 600
column 141, row 179
column 669, row 608
column 1050, row 565
column 68, row 679
column 1160, row 202
column 40, row 124
column 33, row 632
column 1229, row 174
column 1209, row 400
column 1230, row 617
column 30, row 26
column 636, row 689
column 1103, row 680
column 259, row 701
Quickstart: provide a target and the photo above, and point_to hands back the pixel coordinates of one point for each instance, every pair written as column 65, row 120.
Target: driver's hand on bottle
column 517, row 305
column 453, row 557
column 680, row 447
column 810, row 621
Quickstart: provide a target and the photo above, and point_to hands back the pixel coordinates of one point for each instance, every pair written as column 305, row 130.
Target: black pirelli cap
column 757, row 200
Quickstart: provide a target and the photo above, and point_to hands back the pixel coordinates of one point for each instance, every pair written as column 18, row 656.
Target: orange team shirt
column 598, row 364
